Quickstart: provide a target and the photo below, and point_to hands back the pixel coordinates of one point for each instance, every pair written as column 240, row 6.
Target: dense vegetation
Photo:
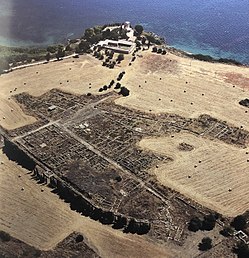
column 13, row 55
column 208, row 58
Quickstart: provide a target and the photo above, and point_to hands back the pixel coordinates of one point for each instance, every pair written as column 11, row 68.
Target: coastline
column 197, row 55
column 204, row 58
column 172, row 50
column 170, row 88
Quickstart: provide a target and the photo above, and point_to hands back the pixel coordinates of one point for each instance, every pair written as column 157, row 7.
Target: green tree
column 151, row 38
column 124, row 92
column 60, row 53
column 154, row 49
column 120, row 57
column 68, row 47
column 139, row 29
column 114, row 35
column 209, row 222
column 48, row 56
column 4, row 64
column 138, row 43
column 226, row 231
column 242, row 250
column 52, row 49
column 95, row 39
column 84, row 45
column 98, row 29
column 89, row 33
column 5, row 237
column 79, row 238
column 239, row 222
column 195, row 224
column 106, row 34
column 205, row 244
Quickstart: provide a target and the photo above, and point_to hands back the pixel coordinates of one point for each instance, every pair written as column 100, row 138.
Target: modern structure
column 120, row 46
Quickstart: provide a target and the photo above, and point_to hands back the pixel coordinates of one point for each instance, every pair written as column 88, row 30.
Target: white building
column 121, row 46
column 127, row 26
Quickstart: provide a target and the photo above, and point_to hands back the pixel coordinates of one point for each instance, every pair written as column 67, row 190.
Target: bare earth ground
column 43, row 220
column 214, row 174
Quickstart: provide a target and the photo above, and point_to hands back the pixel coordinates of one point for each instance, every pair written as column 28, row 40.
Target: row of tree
column 117, row 221
column 207, row 223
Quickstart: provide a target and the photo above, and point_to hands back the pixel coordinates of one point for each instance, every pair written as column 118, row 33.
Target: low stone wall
column 77, row 201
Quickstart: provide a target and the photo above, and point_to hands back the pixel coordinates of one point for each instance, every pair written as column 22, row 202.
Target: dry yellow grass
column 220, row 98
column 38, row 218
column 41, row 219
column 213, row 89
column 214, row 174
column 78, row 76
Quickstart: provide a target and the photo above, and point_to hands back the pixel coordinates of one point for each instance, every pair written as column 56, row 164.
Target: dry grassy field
column 31, row 215
column 41, row 219
column 187, row 87
column 74, row 75
column 214, row 174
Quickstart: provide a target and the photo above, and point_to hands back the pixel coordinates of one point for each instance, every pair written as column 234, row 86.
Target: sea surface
column 219, row 28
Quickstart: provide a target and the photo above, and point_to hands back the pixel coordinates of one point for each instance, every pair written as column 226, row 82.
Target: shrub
column 227, row 231
column 120, row 57
column 154, row 49
column 5, row 237
column 205, row 244
column 209, row 222
column 242, row 250
column 79, row 238
column 139, row 29
column 239, row 222
column 118, row 86
column 124, row 92
column 195, row 224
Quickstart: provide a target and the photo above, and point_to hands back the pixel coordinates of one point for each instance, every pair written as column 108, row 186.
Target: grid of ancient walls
column 95, row 152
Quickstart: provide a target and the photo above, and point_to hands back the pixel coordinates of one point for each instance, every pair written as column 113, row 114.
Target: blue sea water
column 219, row 28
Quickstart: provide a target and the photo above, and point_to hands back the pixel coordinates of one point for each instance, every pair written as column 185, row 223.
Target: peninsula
column 117, row 145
